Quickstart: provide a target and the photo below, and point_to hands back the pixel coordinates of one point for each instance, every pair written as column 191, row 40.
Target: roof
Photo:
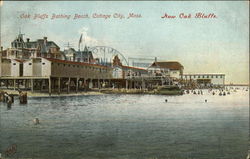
column 32, row 44
column 135, row 68
column 84, row 54
column 201, row 74
column 18, row 60
column 69, row 51
column 172, row 65
column 74, row 63
column 40, row 42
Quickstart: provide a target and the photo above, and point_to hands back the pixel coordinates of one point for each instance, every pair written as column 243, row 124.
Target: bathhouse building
column 206, row 79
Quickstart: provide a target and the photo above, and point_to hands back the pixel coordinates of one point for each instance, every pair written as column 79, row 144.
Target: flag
column 80, row 39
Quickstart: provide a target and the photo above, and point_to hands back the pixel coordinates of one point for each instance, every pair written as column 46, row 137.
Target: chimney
column 45, row 40
column 155, row 59
column 28, row 39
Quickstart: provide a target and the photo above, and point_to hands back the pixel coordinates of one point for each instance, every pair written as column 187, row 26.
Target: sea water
column 128, row 126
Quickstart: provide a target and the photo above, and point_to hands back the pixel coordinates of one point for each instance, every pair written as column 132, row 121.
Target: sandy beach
column 41, row 94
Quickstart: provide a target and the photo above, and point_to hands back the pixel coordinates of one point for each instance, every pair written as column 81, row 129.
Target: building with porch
column 206, row 79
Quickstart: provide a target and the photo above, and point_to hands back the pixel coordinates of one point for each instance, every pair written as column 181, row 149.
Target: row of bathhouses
column 52, row 74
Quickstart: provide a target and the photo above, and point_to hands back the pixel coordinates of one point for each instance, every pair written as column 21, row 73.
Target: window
column 221, row 76
column 44, row 63
column 216, row 76
column 212, row 76
column 207, row 76
column 58, row 64
column 194, row 76
column 30, row 63
column 203, row 76
column 14, row 63
column 199, row 77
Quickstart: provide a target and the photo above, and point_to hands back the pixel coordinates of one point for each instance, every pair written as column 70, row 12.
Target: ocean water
column 128, row 126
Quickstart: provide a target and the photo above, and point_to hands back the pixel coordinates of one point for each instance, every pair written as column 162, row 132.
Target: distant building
column 21, row 49
column 84, row 56
column 126, row 72
column 70, row 54
column 172, row 69
column 206, row 79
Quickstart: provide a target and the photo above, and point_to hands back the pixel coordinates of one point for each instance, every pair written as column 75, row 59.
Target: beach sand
column 41, row 94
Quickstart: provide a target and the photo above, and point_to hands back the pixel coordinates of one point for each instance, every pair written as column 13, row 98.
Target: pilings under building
column 53, row 75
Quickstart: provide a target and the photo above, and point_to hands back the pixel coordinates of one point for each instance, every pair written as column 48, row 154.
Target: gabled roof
column 70, row 51
column 40, row 42
column 172, row 65
column 84, row 54
column 32, row 44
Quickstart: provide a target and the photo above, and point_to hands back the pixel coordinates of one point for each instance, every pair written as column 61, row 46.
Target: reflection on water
column 128, row 126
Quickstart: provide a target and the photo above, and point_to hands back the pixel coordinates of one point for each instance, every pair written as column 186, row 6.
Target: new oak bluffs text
column 189, row 15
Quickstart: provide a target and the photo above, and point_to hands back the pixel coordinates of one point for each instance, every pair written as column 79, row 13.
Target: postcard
column 124, row 80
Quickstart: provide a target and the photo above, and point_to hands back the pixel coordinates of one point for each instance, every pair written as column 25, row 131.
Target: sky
column 210, row 45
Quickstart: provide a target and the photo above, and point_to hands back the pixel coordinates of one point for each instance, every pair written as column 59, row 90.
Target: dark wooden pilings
column 23, row 97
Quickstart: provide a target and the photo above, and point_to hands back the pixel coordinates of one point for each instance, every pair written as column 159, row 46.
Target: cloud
column 86, row 39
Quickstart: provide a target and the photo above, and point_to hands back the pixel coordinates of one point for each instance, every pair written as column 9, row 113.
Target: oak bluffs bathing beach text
column 43, row 16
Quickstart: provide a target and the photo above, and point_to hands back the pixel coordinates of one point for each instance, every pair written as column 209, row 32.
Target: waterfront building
column 171, row 69
column 206, row 79
column 24, row 50
column 125, row 72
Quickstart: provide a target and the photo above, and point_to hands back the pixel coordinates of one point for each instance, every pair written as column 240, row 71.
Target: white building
column 117, row 73
column 171, row 69
column 206, row 79
column 32, row 67
column 11, row 68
